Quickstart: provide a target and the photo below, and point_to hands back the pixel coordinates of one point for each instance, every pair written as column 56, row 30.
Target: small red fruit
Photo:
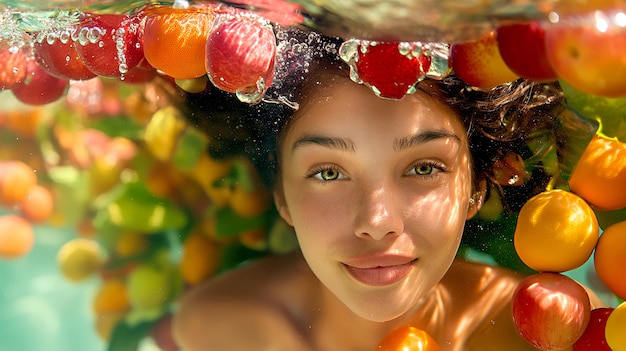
column 12, row 65
column 240, row 53
column 523, row 49
column 60, row 58
column 550, row 310
column 479, row 63
column 110, row 44
column 39, row 87
column 390, row 72
column 594, row 338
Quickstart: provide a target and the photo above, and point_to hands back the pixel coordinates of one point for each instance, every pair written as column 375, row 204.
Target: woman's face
column 378, row 192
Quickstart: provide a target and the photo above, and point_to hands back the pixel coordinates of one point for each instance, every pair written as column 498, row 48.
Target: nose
column 378, row 215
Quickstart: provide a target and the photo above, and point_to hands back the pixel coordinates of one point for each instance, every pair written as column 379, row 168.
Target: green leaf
column 229, row 223
column 120, row 126
column 127, row 338
column 190, row 145
column 136, row 208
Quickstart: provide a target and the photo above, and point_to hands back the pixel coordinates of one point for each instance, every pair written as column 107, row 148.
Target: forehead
column 334, row 102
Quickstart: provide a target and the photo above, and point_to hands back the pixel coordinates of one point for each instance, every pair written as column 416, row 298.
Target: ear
column 281, row 204
column 477, row 199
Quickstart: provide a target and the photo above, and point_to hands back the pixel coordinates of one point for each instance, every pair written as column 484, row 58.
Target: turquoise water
column 39, row 308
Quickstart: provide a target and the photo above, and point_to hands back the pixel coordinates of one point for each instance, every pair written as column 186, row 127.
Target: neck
column 336, row 327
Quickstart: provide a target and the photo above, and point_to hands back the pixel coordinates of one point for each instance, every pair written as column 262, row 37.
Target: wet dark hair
column 499, row 121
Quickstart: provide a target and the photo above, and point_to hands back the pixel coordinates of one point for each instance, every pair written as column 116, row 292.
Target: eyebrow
column 398, row 145
column 326, row 141
column 423, row 137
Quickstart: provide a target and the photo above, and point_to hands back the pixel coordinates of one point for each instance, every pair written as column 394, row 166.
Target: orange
column 131, row 243
column 250, row 203
column 174, row 41
column 16, row 236
column 111, row 297
column 38, row 205
column 610, row 258
column 408, row 338
column 16, row 179
column 200, row 259
column 600, row 175
column 556, row 231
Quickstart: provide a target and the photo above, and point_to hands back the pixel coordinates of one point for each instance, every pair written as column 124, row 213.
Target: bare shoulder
column 484, row 294
column 247, row 308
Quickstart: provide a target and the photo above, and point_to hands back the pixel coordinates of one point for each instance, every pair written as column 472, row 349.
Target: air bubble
column 252, row 95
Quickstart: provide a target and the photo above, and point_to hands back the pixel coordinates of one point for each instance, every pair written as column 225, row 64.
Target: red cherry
column 390, row 72
column 39, row 87
column 60, row 58
column 594, row 338
column 240, row 51
column 110, row 44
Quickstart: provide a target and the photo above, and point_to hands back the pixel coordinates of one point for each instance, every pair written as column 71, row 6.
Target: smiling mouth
column 380, row 275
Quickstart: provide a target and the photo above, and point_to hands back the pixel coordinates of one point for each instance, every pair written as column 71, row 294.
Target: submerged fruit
column 240, row 53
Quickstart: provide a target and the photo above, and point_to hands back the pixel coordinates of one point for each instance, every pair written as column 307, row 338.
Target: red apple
column 240, row 55
column 110, row 43
column 594, row 338
column 480, row 64
column 550, row 310
column 523, row 49
column 60, row 58
column 39, row 87
column 589, row 57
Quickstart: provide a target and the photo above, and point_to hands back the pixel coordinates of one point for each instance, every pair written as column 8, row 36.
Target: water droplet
column 252, row 95
column 100, row 44
column 67, row 59
column 51, row 38
column 404, row 48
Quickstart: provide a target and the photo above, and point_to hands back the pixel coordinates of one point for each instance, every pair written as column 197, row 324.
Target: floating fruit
column 111, row 297
column 240, row 53
column 12, row 65
column 148, row 286
column 200, row 258
column 610, row 258
column 408, row 338
column 57, row 54
column 599, row 177
column 16, row 236
column 480, row 64
column 615, row 326
column 556, row 231
column 110, row 44
column 38, row 205
column 79, row 259
column 391, row 69
column 523, row 49
column 594, row 338
column 510, row 170
column 174, row 40
column 588, row 53
column 16, row 180
column 550, row 310
column 39, row 87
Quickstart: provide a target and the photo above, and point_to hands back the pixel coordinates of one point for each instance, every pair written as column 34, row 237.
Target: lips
column 380, row 270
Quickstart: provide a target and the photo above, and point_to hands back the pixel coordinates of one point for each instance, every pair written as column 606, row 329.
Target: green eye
column 329, row 174
column 424, row 169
